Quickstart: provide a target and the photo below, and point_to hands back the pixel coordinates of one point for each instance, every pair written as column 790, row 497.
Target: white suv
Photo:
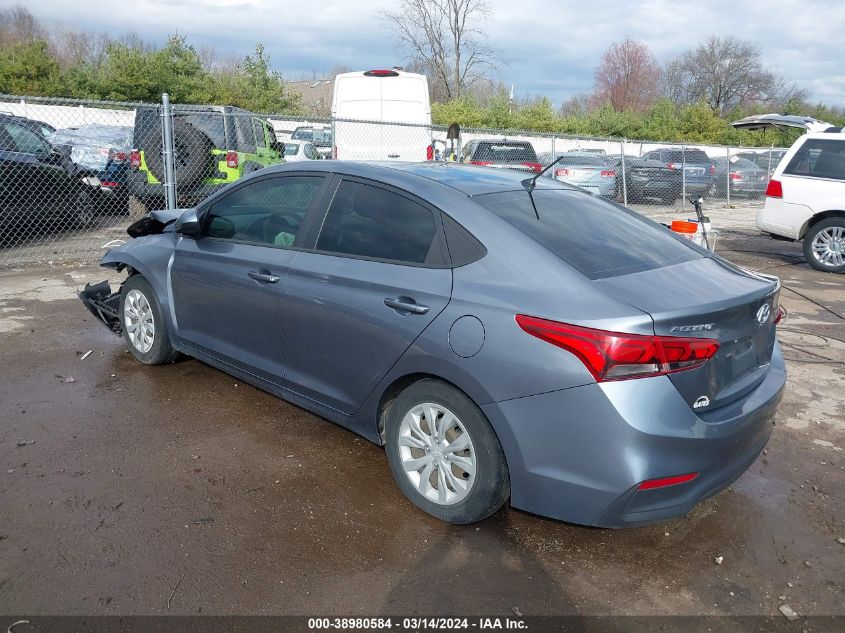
column 805, row 198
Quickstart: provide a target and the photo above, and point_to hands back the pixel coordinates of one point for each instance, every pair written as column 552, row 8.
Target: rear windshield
column 692, row 156
column 320, row 138
column 821, row 158
column 505, row 152
column 597, row 238
column 580, row 159
column 211, row 125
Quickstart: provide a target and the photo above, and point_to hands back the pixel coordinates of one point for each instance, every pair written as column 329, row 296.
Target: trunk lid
column 764, row 121
column 706, row 298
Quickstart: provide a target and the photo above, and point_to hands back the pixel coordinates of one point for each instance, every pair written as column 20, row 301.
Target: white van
column 805, row 198
column 390, row 96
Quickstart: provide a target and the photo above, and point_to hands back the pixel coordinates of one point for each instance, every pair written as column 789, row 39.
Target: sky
column 548, row 47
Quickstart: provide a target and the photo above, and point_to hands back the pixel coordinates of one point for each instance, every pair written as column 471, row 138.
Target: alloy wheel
column 829, row 246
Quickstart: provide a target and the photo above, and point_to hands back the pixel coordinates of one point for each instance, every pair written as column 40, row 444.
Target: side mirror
column 188, row 224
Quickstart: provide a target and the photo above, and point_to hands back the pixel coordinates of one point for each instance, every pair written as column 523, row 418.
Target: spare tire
column 192, row 159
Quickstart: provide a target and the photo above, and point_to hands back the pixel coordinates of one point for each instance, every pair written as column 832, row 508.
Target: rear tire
column 84, row 214
column 454, row 469
column 824, row 245
column 142, row 323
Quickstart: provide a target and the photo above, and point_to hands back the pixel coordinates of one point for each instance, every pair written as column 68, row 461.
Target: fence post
column 728, row 177
column 683, row 175
column 167, row 151
column 624, row 178
column 553, row 147
column 771, row 149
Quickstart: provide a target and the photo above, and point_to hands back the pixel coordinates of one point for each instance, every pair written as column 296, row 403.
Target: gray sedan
column 588, row 171
column 742, row 176
column 502, row 336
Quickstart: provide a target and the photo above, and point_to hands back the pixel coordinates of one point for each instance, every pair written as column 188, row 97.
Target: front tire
column 444, row 454
column 824, row 245
column 143, row 325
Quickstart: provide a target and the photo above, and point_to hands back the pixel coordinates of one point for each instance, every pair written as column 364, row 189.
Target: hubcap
column 138, row 321
column 437, row 453
column 829, row 246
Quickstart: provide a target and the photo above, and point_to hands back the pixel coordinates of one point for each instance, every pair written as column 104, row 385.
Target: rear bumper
column 138, row 186
column 580, row 454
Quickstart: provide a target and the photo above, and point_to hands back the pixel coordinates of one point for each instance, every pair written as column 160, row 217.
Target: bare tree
column 443, row 37
column 627, row 76
column 724, row 72
column 75, row 48
column 18, row 25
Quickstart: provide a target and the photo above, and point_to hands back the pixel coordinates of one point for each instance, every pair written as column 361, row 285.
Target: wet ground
column 127, row 489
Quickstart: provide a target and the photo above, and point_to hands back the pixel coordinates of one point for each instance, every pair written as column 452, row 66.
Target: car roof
column 470, row 180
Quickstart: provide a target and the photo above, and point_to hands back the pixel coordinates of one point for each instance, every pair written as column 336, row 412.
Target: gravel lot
column 179, row 490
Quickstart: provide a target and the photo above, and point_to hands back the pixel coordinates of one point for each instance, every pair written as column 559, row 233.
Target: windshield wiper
column 530, row 183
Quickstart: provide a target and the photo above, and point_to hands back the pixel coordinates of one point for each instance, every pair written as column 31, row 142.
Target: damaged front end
column 103, row 304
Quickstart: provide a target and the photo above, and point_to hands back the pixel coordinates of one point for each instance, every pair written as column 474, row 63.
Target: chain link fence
column 74, row 174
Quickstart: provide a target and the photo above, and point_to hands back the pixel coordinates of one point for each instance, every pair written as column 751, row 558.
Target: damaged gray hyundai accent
column 501, row 337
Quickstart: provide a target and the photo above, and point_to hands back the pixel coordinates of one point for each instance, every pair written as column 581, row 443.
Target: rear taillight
column 109, row 184
column 608, row 173
column 429, row 152
column 780, row 315
column 774, row 189
column 334, row 152
column 735, row 176
column 651, row 484
column 232, row 160
column 534, row 166
column 135, row 159
column 712, row 170
column 673, row 166
column 619, row 356
column 479, row 162
column 562, row 172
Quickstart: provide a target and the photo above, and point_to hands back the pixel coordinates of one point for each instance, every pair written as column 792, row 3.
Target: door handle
column 406, row 305
column 263, row 276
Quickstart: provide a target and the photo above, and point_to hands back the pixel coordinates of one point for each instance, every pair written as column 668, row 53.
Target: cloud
column 549, row 48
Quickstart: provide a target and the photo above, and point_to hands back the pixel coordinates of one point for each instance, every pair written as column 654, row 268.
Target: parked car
column 745, row 178
column 644, row 180
column 380, row 97
column 321, row 137
column 518, row 155
column 101, row 151
column 215, row 145
column 766, row 159
column 588, row 171
column 698, row 168
column 39, row 186
column 804, row 196
column 301, row 151
column 498, row 339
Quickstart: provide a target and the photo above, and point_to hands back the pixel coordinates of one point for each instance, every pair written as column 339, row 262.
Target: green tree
column 27, row 68
column 256, row 86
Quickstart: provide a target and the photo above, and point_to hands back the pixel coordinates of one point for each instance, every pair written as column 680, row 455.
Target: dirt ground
column 127, row 489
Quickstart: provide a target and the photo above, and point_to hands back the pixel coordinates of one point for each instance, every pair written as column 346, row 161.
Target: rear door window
column 819, row 158
column 597, row 238
column 374, row 223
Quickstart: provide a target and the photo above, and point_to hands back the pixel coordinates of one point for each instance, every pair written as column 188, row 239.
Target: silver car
column 588, row 171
